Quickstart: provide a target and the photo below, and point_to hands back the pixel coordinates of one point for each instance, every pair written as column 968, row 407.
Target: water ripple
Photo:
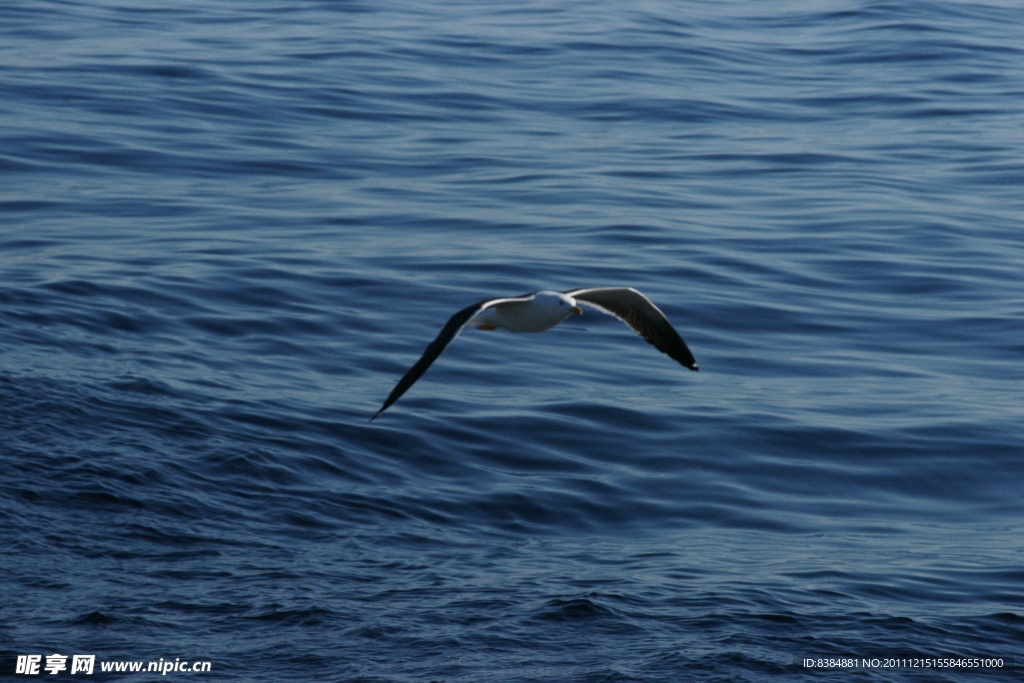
column 228, row 231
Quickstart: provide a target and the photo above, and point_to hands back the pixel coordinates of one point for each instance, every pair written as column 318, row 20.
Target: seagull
column 539, row 311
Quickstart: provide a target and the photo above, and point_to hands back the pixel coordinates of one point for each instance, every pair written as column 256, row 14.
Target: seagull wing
column 436, row 347
column 637, row 311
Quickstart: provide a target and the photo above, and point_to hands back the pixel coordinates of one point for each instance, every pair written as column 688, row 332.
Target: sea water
column 227, row 229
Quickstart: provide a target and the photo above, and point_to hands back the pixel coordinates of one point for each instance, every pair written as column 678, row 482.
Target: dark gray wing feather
column 637, row 311
column 436, row 347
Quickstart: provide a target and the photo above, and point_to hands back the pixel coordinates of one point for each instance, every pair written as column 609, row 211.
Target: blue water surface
column 227, row 228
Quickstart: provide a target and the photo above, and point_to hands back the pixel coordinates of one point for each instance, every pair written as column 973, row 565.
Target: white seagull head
column 556, row 304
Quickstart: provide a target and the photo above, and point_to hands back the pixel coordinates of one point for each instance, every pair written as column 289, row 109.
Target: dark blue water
column 227, row 228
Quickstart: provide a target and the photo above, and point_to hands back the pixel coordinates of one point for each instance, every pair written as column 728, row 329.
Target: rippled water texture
column 227, row 229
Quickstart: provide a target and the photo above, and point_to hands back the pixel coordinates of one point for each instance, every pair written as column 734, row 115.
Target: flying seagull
column 539, row 311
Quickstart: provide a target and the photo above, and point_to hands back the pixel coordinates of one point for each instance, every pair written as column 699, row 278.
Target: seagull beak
column 577, row 310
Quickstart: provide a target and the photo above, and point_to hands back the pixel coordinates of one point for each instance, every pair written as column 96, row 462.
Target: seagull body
column 539, row 311
column 531, row 313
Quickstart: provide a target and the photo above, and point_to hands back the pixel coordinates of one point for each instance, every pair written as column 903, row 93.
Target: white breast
column 543, row 312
